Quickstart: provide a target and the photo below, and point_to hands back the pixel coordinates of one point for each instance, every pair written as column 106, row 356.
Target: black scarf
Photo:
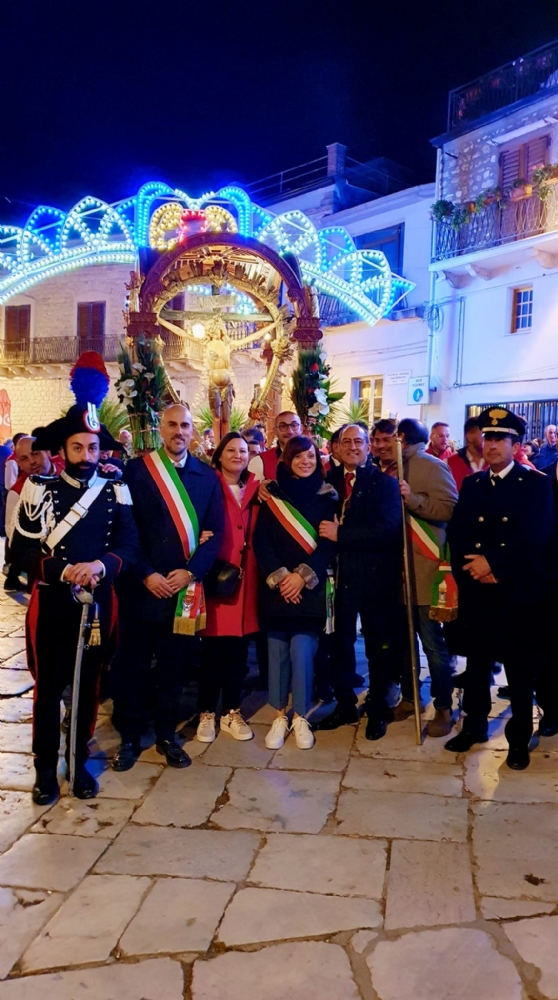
column 300, row 492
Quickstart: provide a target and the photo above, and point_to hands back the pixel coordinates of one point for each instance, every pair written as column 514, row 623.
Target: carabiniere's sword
column 85, row 598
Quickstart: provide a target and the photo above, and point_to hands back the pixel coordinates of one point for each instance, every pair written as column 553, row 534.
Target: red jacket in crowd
column 237, row 615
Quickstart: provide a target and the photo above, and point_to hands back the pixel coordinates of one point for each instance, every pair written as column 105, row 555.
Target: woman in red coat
column 230, row 620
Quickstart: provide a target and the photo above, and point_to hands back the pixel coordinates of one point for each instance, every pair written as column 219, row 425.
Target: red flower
column 314, row 368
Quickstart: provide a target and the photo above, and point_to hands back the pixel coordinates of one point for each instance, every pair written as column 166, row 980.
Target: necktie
column 349, row 476
column 496, row 481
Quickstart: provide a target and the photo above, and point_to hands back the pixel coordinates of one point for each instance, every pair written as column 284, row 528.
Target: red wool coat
column 237, row 615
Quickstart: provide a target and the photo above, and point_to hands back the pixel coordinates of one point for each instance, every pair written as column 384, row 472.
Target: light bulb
column 262, row 382
column 198, row 330
column 267, row 336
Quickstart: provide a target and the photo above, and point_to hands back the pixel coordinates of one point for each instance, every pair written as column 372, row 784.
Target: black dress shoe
column 339, row 717
column 375, row 729
column 547, row 727
column 45, row 789
column 176, row 756
column 85, row 786
column 126, row 756
column 518, row 758
column 12, row 584
column 464, row 741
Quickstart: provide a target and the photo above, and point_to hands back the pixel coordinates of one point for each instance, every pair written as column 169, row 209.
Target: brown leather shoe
column 403, row 710
column 441, row 724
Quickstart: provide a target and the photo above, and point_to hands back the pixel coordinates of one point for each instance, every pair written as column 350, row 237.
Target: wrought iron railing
column 66, row 350
column 497, row 224
column 530, row 74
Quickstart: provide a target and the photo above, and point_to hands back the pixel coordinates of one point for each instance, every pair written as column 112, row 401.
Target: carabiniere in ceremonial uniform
column 79, row 520
column 500, row 536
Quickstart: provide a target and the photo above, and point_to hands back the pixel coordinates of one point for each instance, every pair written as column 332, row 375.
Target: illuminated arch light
column 145, row 197
column 93, row 232
column 165, row 219
column 260, row 219
column 219, row 220
column 241, row 202
column 293, row 232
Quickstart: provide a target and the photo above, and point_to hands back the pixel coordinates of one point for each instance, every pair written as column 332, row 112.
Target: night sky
column 98, row 98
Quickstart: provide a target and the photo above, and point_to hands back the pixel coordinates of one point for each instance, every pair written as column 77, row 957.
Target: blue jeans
column 291, row 657
column 439, row 663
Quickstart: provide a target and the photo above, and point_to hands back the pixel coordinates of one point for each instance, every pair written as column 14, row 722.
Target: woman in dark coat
column 294, row 562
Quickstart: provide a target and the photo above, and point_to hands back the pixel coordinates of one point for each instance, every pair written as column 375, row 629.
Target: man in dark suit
column 368, row 534
column 149, row 612
column 499, row 537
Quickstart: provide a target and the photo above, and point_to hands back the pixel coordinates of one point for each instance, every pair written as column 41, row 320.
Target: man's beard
column 81, row 470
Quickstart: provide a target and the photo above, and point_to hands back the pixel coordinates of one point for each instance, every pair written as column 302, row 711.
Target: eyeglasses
column 293, row 426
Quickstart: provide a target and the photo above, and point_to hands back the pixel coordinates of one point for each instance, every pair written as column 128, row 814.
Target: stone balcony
column 66, row 350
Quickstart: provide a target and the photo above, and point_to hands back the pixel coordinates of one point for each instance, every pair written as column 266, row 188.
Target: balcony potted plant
column 521, row 189
column 459, row 217
column 544, row 178
column 441, row 210
column 488, row 197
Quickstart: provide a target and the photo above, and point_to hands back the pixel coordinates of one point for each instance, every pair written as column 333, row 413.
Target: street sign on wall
column 417, row 391
column 397, row 378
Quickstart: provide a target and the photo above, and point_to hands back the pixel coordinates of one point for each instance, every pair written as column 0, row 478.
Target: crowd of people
column 189, row 558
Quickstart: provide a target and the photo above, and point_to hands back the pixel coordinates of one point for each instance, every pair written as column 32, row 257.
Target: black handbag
column 224, row 577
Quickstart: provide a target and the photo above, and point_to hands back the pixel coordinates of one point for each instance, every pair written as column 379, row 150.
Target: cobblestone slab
column 288, row 801
column 515, row 850
column 189, row 853
column 537, row 942
column 429, row 884
column 17, row 814
column 340, row 865
column 158, row 979
column 22, row 914
column 307, row 971
column 192, row 909
column 91, row 818
column 184, row 798
column 53, row 862
column 394, row 814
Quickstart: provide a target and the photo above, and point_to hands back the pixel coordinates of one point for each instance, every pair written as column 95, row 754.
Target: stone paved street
column 353, row 871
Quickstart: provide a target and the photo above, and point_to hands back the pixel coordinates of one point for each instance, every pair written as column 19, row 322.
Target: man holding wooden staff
column 430, row 495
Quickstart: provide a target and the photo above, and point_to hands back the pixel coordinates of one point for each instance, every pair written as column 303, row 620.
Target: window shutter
column 83, row 322
column 18, row 325
column 510, row 165
column 98, row 325
column 536, row 153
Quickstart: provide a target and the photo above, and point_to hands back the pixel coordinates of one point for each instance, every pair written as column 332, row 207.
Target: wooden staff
column 409, row 602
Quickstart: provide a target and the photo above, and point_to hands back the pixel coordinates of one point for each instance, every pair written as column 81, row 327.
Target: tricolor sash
column 190, row 615
column 294, row 523
column 443, row 599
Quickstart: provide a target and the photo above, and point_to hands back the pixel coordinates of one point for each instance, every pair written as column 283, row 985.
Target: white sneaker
column 278, row 733
column 205, row 732
column 304, row 737
column 236, row 726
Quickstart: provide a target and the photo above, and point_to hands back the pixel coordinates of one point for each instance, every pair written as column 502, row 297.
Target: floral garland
column 311, row 392
column 141, row 388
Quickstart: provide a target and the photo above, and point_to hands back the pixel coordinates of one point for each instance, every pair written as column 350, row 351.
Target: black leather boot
column 46, row 789
column 126, row 756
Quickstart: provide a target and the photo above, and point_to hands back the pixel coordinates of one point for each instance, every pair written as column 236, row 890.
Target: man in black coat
column 162, row 572
column 499, row 537
column 368, row 531
column 75, row 531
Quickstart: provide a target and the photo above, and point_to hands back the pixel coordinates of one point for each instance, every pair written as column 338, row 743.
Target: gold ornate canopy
column 220, row 262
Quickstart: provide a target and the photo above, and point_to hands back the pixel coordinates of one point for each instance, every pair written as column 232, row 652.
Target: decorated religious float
column 218, row 274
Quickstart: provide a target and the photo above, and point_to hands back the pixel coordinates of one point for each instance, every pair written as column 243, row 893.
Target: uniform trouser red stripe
column 53, row 630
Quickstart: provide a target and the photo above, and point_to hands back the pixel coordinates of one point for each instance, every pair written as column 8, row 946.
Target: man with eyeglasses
column 287, row 426
column 367, row 530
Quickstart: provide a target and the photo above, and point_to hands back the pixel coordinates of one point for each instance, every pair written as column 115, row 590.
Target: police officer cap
column 504, row 423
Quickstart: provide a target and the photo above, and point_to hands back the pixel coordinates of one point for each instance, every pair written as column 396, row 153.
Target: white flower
column 138, row 367
column 318, row 409
column 320, row 396
column 130, row 394
column 149, row 376
column 128, row 383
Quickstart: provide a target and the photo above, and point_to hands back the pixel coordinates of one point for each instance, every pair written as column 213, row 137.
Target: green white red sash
column 294, row 523
column 190, row 614
column 443, row 599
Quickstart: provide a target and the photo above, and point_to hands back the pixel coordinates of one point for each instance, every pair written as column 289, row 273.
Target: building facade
column 494, row 304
